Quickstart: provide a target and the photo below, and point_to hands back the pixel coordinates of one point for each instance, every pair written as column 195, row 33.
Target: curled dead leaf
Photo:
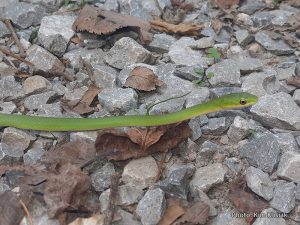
column 68, row 188
column 82, row 106
column 143, row 79
column 99, row 21
column 174, row 211
column 291, row 40
column 74, row 152
column 217, row 25
column 139, row 142
column 294, row 21
column 224, row 4
column 245, row 202
column 294, row 80
column 181, row 29
column 197, row 214
column 97, row 219
column 58, row 178
column 11, row 212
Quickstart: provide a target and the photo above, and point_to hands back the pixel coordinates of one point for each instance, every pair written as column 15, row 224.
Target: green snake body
column 229, row 101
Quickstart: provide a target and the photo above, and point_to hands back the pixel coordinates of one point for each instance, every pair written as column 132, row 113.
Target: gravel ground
column 234, row 162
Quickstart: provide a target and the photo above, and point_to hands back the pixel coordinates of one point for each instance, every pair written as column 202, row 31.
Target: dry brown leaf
column 294, row 80
column 145, row 137
column 99, row 21
column 182, row 5
column 62, row 182
column 58, row 178
column 292, row 25
column 120, row 145
column 176, row 13
column 197, row 214
column 245, row 202
column 173, row 212
column 294, row 21
column 76, row 40
column 225, row 4
column 75, row 152
column 11, row 212
column 291, row 40
column 181, row 29
column 143, row 79
column 97, row 219
column 66, row 189
column 217, row 25
column 295, row 3
column 82, row 106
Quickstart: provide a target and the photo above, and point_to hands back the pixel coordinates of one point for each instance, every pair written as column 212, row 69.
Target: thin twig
column 26, row 212
column 112, row 198
column 14, row 35
column 89, row 69
column 151, row 106
column 160, row 166
column 7, row 52
column 11, row 63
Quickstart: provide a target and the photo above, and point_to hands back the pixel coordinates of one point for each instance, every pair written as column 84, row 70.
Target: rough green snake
column 229, row 101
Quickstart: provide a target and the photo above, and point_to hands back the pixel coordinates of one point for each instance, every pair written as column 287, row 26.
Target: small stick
column 7, row 52
column 112, row 198
column 11, row 63
column 14, row 35
column 26, row 212
column 160, row 166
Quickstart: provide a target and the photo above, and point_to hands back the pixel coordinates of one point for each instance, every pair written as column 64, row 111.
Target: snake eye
column 243, row 101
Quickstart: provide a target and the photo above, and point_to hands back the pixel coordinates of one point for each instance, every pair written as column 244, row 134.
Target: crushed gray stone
column 36, row 84
column 215, row 126
column 33, row 102
column 79, row 55
column 277, row 110
column 176, row 184
column 226, row 218
column 7, row 107
column 105, row 76
column 182, row 54
column 55, row 32
column 43, row 60
column 161, row 42
column 239, row 129
column 23, row 14
column 140, row 172
column 284, row 197
column 16, row 138
column 278, row 47
column 151, row 207
column 259, row 182
column 118, row 99
column 269, row 217
column 289, row 167
column 287, row 142
column 208, row 176
column 101, row 178
column 262, row 152
column 243, row 37
column 10, row 89
column 261, row 83
column 33, row 155
column 126, row 52
column 226, row 73
column 127, row 195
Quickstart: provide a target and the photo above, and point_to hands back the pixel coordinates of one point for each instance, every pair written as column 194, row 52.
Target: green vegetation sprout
column 213, row 53
column 203, row 79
